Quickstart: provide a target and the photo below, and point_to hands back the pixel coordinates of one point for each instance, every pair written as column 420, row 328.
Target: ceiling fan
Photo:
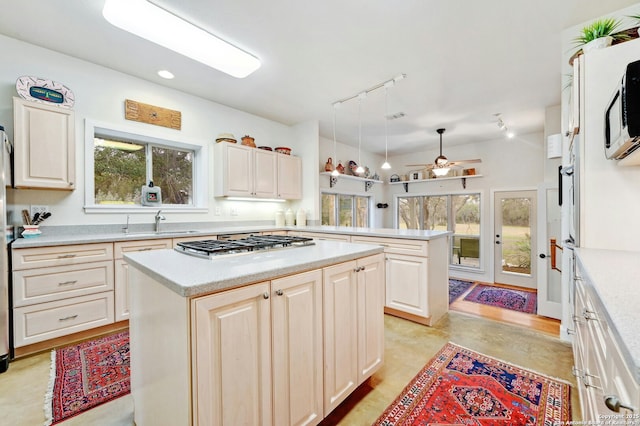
column 441, row 165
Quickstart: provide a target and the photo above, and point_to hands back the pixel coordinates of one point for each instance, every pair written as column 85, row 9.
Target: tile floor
column 409, row 347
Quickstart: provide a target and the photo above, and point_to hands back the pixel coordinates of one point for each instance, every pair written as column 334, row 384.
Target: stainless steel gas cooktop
column 211, row 248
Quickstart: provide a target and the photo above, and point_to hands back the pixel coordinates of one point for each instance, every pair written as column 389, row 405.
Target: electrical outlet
column 38, row 209
column 234, row 211
column 218, row 211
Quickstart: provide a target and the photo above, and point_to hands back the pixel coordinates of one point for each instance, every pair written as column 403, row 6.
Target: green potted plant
column 599, row 34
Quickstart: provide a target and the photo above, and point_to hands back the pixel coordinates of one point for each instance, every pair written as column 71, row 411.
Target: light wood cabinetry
column 353, row 337
column 289, row 177
column 279, row 356
column 242, row 171
column 258, row 354
column 600, row 368
column 122, row 270
column 44, row 146
column 417, row 277
column 61, row 290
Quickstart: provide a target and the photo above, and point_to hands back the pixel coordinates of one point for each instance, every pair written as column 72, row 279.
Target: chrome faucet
column 158, row 218
column 126, row 228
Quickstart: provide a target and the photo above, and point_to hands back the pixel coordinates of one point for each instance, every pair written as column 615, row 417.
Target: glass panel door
column 515, row 234
column 465, row 247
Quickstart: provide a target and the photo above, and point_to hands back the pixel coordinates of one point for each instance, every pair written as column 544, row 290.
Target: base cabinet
column 602, row 373
column 353, row 338
column 262, row 354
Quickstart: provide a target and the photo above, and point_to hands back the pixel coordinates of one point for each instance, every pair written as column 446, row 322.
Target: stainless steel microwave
column 622, row 116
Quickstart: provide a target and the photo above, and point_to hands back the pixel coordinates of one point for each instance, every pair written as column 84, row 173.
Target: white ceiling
column 465, row 60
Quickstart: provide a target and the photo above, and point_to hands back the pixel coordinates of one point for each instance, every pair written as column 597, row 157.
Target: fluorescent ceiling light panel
column 152, row 23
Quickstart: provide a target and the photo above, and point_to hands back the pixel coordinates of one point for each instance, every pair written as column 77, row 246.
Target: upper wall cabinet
column 44, row 146
column 242, row 171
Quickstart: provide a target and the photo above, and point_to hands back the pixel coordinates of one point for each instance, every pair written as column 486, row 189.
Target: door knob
column 542, row 255
column 497, row 242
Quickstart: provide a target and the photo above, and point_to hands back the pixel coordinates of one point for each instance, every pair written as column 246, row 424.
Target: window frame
column 483, row 256
column 353, row 195
column 144, row 136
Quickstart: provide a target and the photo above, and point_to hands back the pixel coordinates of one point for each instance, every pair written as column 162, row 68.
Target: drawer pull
column 67, row 256
column 70, row 317
column 68, row 282
column 145, row 249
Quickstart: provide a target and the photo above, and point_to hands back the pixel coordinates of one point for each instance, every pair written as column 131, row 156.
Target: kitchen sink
column 152, row 233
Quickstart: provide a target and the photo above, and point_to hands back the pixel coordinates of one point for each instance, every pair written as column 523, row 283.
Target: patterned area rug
column 462, row 387
column 457, row 288
column 516, row 300
column 86, row 375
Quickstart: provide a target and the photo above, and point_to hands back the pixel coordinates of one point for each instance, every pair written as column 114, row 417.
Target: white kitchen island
column 272, row 338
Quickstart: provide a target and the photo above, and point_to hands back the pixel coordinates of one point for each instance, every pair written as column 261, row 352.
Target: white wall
column 100, row 94
column 507, row 164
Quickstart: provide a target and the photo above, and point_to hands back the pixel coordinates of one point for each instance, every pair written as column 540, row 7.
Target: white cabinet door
column 265, row 173
column 44, row 146
column 340, row 333
column 296, row 307
column 233, row 167
column 232, row 356
column 289, row 177
column 370, row 315
column 407, row 284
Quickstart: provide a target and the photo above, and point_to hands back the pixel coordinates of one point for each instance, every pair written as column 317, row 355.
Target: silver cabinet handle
column 279, row 292
column 68, row 282
column 613, row 403
column 66, row 256
column 70, row 317
column 265, row 295
column 589, row 315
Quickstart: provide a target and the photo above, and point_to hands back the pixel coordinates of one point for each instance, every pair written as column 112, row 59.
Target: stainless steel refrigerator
column 4, row 261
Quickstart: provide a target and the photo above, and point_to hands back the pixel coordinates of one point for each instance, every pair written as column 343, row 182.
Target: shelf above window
column 368, row 182
column 463, row 179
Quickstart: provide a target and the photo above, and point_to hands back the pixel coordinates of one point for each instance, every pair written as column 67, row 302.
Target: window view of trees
column 516, row 235
column 457, row 213
column 120, row 170
column 345, row 210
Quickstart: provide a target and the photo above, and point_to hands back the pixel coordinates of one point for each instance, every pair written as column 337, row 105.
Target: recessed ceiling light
column 152, row 23
column 166, row 74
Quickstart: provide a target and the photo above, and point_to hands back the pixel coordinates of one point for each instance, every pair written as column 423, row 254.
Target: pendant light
column 386, row 165
column 361, row 96
column 335, row 171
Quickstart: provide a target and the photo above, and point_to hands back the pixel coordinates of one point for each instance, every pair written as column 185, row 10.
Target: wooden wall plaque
column 150, row 114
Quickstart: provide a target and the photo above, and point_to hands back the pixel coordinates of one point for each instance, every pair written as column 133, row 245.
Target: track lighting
column 502, row 126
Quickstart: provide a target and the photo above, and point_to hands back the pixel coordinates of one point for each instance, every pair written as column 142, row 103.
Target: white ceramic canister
column 301, row 218
column 289, row 218
column 280, row 218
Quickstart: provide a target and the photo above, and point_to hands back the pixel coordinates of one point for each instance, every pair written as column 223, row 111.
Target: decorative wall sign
column 144, row 113
column 44, row 91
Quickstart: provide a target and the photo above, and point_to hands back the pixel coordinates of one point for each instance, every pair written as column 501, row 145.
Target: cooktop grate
column 209, row 248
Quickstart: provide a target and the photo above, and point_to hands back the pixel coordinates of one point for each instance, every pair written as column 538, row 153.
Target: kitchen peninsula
column 267, row 337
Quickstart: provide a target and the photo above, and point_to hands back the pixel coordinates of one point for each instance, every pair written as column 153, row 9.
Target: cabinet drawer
column 398, row 246
column 141, row 245
column 40, row 257
column 322, row 236
column 47, row 284
column 44, row 321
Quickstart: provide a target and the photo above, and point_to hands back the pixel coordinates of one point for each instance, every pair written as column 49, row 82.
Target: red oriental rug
column 86, row 375
column 505, row 298
column 462, row 387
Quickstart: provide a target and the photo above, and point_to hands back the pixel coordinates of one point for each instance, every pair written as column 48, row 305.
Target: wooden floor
column 535, row 322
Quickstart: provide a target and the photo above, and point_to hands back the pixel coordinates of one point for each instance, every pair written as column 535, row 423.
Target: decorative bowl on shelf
column 283, row 150
column 226, row 137
column 266, row 148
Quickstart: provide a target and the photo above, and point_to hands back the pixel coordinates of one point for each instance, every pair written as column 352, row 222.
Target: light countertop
column 97, row 234
column 614, row 277
column 191, row 276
